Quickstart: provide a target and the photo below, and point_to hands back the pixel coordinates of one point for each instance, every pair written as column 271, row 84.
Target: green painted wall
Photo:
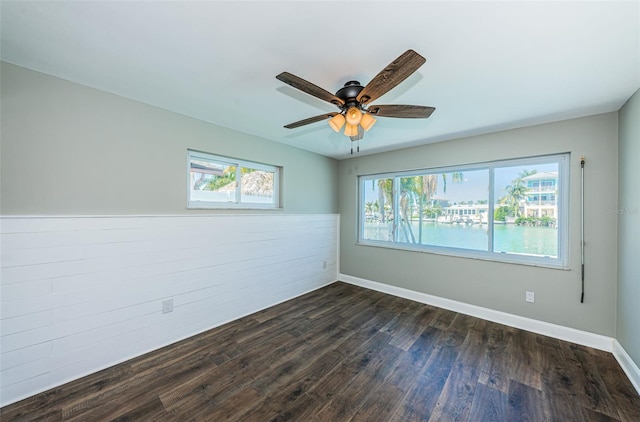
column 628, row 312
column 68, row 149
column 495, row 285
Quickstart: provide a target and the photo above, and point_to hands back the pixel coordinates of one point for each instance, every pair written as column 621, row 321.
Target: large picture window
column 512, row 210
column 223, row 182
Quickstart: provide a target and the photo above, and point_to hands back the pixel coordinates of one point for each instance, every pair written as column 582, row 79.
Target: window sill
column 227, row 208
column 456, row 253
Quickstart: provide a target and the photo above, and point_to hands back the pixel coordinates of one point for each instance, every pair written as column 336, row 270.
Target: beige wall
column 628, row 312
column 70, row 149
column 495, row 285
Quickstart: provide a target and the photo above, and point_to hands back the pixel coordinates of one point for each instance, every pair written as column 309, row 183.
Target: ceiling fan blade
column 401, row 110
column 359, row 136
column 311, row 89
column 310, row 120
column 396, row 72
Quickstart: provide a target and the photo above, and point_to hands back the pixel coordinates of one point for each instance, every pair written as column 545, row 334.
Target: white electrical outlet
column 530, row 297
column 167, row 306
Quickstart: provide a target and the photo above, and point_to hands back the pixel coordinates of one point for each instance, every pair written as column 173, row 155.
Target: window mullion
column 562, row 199
column 490, row 209
column 238, row 184
column 396, row 214
column 361, row 209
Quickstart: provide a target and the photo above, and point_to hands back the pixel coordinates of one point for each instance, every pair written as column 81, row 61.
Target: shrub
column 501, row 213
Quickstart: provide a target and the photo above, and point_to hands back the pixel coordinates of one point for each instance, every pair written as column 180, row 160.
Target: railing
column 533, row 189
column 534, row 203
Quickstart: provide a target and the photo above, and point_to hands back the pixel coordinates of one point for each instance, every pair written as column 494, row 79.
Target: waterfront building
column 464, row 214
column 541, row 196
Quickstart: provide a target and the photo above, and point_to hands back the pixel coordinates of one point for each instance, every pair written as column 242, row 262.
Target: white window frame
column 559, row 262
column 239, row 164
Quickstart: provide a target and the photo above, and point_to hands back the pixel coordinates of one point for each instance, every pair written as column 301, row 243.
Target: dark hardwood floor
column 343, row 353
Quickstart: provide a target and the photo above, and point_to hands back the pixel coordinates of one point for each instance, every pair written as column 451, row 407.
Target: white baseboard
column 628, row 365
column 584, row 338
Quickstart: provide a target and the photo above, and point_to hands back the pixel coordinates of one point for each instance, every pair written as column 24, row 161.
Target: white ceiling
column 490, row 65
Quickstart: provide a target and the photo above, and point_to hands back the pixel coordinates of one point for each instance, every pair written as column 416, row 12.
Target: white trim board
column 628, row 365
column 560, row 332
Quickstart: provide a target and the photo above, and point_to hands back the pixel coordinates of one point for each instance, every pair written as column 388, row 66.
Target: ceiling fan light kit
column 336, row 122
column 352, row 99
column 353, row 116
column 351, row 130
column 367, row 121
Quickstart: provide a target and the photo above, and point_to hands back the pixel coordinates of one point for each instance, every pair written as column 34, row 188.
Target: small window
column 223, row 182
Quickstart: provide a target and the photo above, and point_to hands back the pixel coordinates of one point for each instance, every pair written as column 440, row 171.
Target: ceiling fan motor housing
column 349, row 92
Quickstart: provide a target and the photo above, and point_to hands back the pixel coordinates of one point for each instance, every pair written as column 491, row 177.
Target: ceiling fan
column 353, row 99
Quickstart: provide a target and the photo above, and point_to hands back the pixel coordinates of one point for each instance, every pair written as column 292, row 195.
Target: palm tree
column 524, row 173
column 431, row 187
column 433, row 211
column 404, row 203
column 369, row 208
column 456, row 177
column 423, row 188
column 426, row 187
column 385, row 193
column 515, row 193
column 418, row 190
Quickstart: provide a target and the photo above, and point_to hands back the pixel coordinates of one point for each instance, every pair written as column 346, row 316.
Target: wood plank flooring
column 343, row 353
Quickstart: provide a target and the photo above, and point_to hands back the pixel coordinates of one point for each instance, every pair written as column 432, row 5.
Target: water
column 510, row 238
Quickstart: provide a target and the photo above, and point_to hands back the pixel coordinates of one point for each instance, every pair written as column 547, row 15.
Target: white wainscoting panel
column 79, row 294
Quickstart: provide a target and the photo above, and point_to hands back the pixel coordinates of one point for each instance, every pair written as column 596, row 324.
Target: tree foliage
column 415, row 192
column 515, row 193
column 501, row 213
